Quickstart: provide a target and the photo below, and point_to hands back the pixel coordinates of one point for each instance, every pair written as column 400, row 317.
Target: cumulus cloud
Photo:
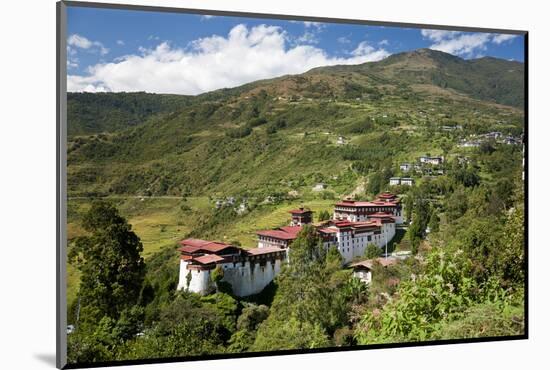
column 384, row 43
column 81, row 42
column 316, row 25
column 120, row 42
column 465, row 44
column 244, row 55
column 438, row 35
column 500, row 38
column 372, row 54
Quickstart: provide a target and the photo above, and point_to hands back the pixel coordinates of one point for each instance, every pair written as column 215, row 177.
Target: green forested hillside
column 225, row 164
column 90, row 113
column 279, row 134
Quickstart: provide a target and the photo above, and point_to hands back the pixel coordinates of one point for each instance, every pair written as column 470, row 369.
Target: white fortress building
column 248, row 271
column 356, row 224
column 356, row 211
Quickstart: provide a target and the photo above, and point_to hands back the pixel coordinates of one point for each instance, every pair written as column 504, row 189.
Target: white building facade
column 249, row 271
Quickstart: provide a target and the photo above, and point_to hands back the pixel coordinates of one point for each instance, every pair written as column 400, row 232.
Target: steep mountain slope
column 279, row 136
column 488, row 78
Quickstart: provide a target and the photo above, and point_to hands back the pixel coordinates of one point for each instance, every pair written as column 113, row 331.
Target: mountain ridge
column 489, row 79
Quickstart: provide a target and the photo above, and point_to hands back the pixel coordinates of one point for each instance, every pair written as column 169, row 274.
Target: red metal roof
column 295, row 230
column 195, row 242
column 299, row 211
column 375, row 203
column 199, row 245
column 276, row 234
column 328, row 230
column 265, row 250
column 283, row 233
column 369, row 263
column 208, row 259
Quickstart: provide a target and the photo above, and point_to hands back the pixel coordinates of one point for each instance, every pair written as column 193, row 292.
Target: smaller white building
column 405, row 167
column 395, row 181
column 363, row 269
column 431, row 160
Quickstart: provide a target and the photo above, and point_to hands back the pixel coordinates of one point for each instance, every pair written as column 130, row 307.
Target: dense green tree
column 311, row 290
column 445, row 288
column 456, row 204
column 216, row 276
column 466, row 176
column 513, row 255
column 247, row 324
column 376, row 183
column 324, row 215
column 433, row 224
column 290, row 333
column 372, row 251
column 112, row 270
column 408, row 205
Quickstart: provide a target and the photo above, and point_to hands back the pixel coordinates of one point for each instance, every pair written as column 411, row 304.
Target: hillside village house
column 405, row 167
column 363, row 269
column 355, row 225
column 301, row 216
column 408, row 181
column 395, row 181
column 469, row 143
column 431, row 160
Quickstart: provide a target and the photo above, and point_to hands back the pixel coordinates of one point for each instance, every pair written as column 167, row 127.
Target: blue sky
column 123, row 50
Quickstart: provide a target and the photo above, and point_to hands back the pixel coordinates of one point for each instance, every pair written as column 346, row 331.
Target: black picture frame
column 61, row 175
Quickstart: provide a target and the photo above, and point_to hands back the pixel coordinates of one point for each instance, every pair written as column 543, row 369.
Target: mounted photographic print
column 235, row 184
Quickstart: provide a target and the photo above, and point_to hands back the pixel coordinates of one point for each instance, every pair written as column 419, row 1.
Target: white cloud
column 438, row 35
column 364, row 49
column 206, row 17
column 384, row 43
column 72, row 63
column 465, row 44
column 120, row 42
column 81, row 42
column 317, row 25
column 307, row 38
column 244, row 55
column 500, row 38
